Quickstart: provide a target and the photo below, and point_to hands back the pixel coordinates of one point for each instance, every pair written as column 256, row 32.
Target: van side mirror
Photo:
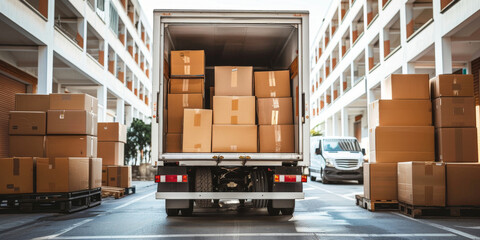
column 363, row 152
column 318, row 151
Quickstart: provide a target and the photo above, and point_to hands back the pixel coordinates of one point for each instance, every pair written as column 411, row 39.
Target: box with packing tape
column 184, row 86
column 406, row 86
column 27, row 123
column 452, row 85
column 421, row 183
column 276, row 138
column 380, row 181
column 119, row 176
column 274, row 111
column 400, row 144
column 272, row 84
column 32, row 102
column 400, row 113
column 454, row 112
column 234, row 138
column 463, row 184
column 26, row 146
column 71, row 122
column 173, row 143
column 112, row 153
column 73, row 101
column 112, row 132
column 197, row 134
column 187, row 63
column 233, row 81
column 71, row 146
column 456, row 145
column 95, row 173
column 16, row 175
column 62, row 174
column 234, row 110
column 176, row 104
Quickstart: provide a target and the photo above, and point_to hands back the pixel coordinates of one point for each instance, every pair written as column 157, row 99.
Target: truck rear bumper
column 229, row 195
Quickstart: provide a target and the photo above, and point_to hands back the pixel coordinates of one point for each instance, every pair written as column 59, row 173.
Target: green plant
column 139, row 137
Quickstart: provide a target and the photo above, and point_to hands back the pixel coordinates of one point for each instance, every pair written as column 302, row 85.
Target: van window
column 338, row 145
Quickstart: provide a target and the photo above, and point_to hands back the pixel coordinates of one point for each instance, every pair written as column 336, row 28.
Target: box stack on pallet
column 400, row 130
column 67, row 172
column 231, row 126
column 112, row 137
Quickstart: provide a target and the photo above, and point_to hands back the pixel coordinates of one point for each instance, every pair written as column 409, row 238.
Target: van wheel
column 322, row 176
column 313, row 178
column 203, row 183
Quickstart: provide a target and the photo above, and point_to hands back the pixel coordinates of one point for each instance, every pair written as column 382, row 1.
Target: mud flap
column 174, row 187
column 286, row 187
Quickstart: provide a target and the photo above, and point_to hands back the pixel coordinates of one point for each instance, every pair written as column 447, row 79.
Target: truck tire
column 172, row 212
column 272, row 211
column 187, row 211
column 288, row 211
column 259, row 184
column 203, row 183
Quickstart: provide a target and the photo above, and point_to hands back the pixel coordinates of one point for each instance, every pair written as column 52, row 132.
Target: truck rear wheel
column 171, row 212
column 272, row 211
column 188, row 211
column 203, row 183
column 259, row 184
column 288, row 211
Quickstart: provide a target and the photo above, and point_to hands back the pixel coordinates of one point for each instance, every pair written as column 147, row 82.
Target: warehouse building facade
column 361, row 42
column 98, row 47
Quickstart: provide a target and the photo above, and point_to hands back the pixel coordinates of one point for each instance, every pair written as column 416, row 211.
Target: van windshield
column 339, row 145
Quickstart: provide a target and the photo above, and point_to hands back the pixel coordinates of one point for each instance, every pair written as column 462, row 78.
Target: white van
column 336, row 159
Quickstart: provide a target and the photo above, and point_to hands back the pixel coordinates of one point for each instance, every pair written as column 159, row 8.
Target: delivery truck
column 265, row 40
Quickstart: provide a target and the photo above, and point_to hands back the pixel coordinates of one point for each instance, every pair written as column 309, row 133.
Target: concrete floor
column 327, row 212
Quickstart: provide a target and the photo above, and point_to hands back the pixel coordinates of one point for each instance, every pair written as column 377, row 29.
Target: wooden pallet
column 52, row 202
column 428, row 211
column 115, row 192
column 377, row 205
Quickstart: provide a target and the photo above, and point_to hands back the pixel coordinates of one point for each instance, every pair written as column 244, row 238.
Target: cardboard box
column 95, row 173
column 73, row 101
column 26, row 146
column 276, row 139
column 400, row 113
column 184, row 86
column 274, row 111
column 454, row 112
column 234, row 138
column 176, row 104
column 32, row 102
column 197, row 134
column 187, row 63
column 112, row 153
column 71, row 122
column 120, row 176
column 27, row 123
column 456, row 145
column 104, row 175
column 406, row 86
column 272, row 84
column 62, row 174
column 16, row 175
column 380, row 181
column 233, row 81
column 173, row 143
column 112, row 132
column 71, row 146
column 421, row 183
column 401, row 144
column 452, row 85
column 463, row 184
column 234, row 110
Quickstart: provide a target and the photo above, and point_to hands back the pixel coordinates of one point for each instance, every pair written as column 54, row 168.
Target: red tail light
column 289, row 178
column 171, row 178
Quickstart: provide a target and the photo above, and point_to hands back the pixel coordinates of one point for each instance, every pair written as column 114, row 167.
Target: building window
column 101, row 5
column 357, row 26
column 391, row 35
column 113, row 19
column 373, row 54
column 418, row 14
column 372, row 11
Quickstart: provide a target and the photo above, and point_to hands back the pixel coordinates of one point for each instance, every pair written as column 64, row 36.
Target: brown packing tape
column 16, row 167
column 278, row 138
column 234, row 78
column 275, row 103
column 185, row 100
column 51, row 163
column 456, row 87
column 185, row 83
column 186, row 62
column 197, row 119
column 234, row 104
column 197, row 146
column 458, row 144
column 62, row 115
column 274, row 120
column 234, row 120
column 271, row 79
column 428, row 195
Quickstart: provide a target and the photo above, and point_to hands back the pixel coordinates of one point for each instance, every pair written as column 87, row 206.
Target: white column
column 102, row 103
column 344, row 120
column 120, row 114
column 128, row 115
column 45, row 69
column 443, row 54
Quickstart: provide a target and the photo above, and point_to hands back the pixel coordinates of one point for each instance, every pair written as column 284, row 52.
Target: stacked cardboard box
column 456, row 137
column 400, row 131
column 186, row 90
column 112, row 137
column 234, row 128
column 274, row 110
